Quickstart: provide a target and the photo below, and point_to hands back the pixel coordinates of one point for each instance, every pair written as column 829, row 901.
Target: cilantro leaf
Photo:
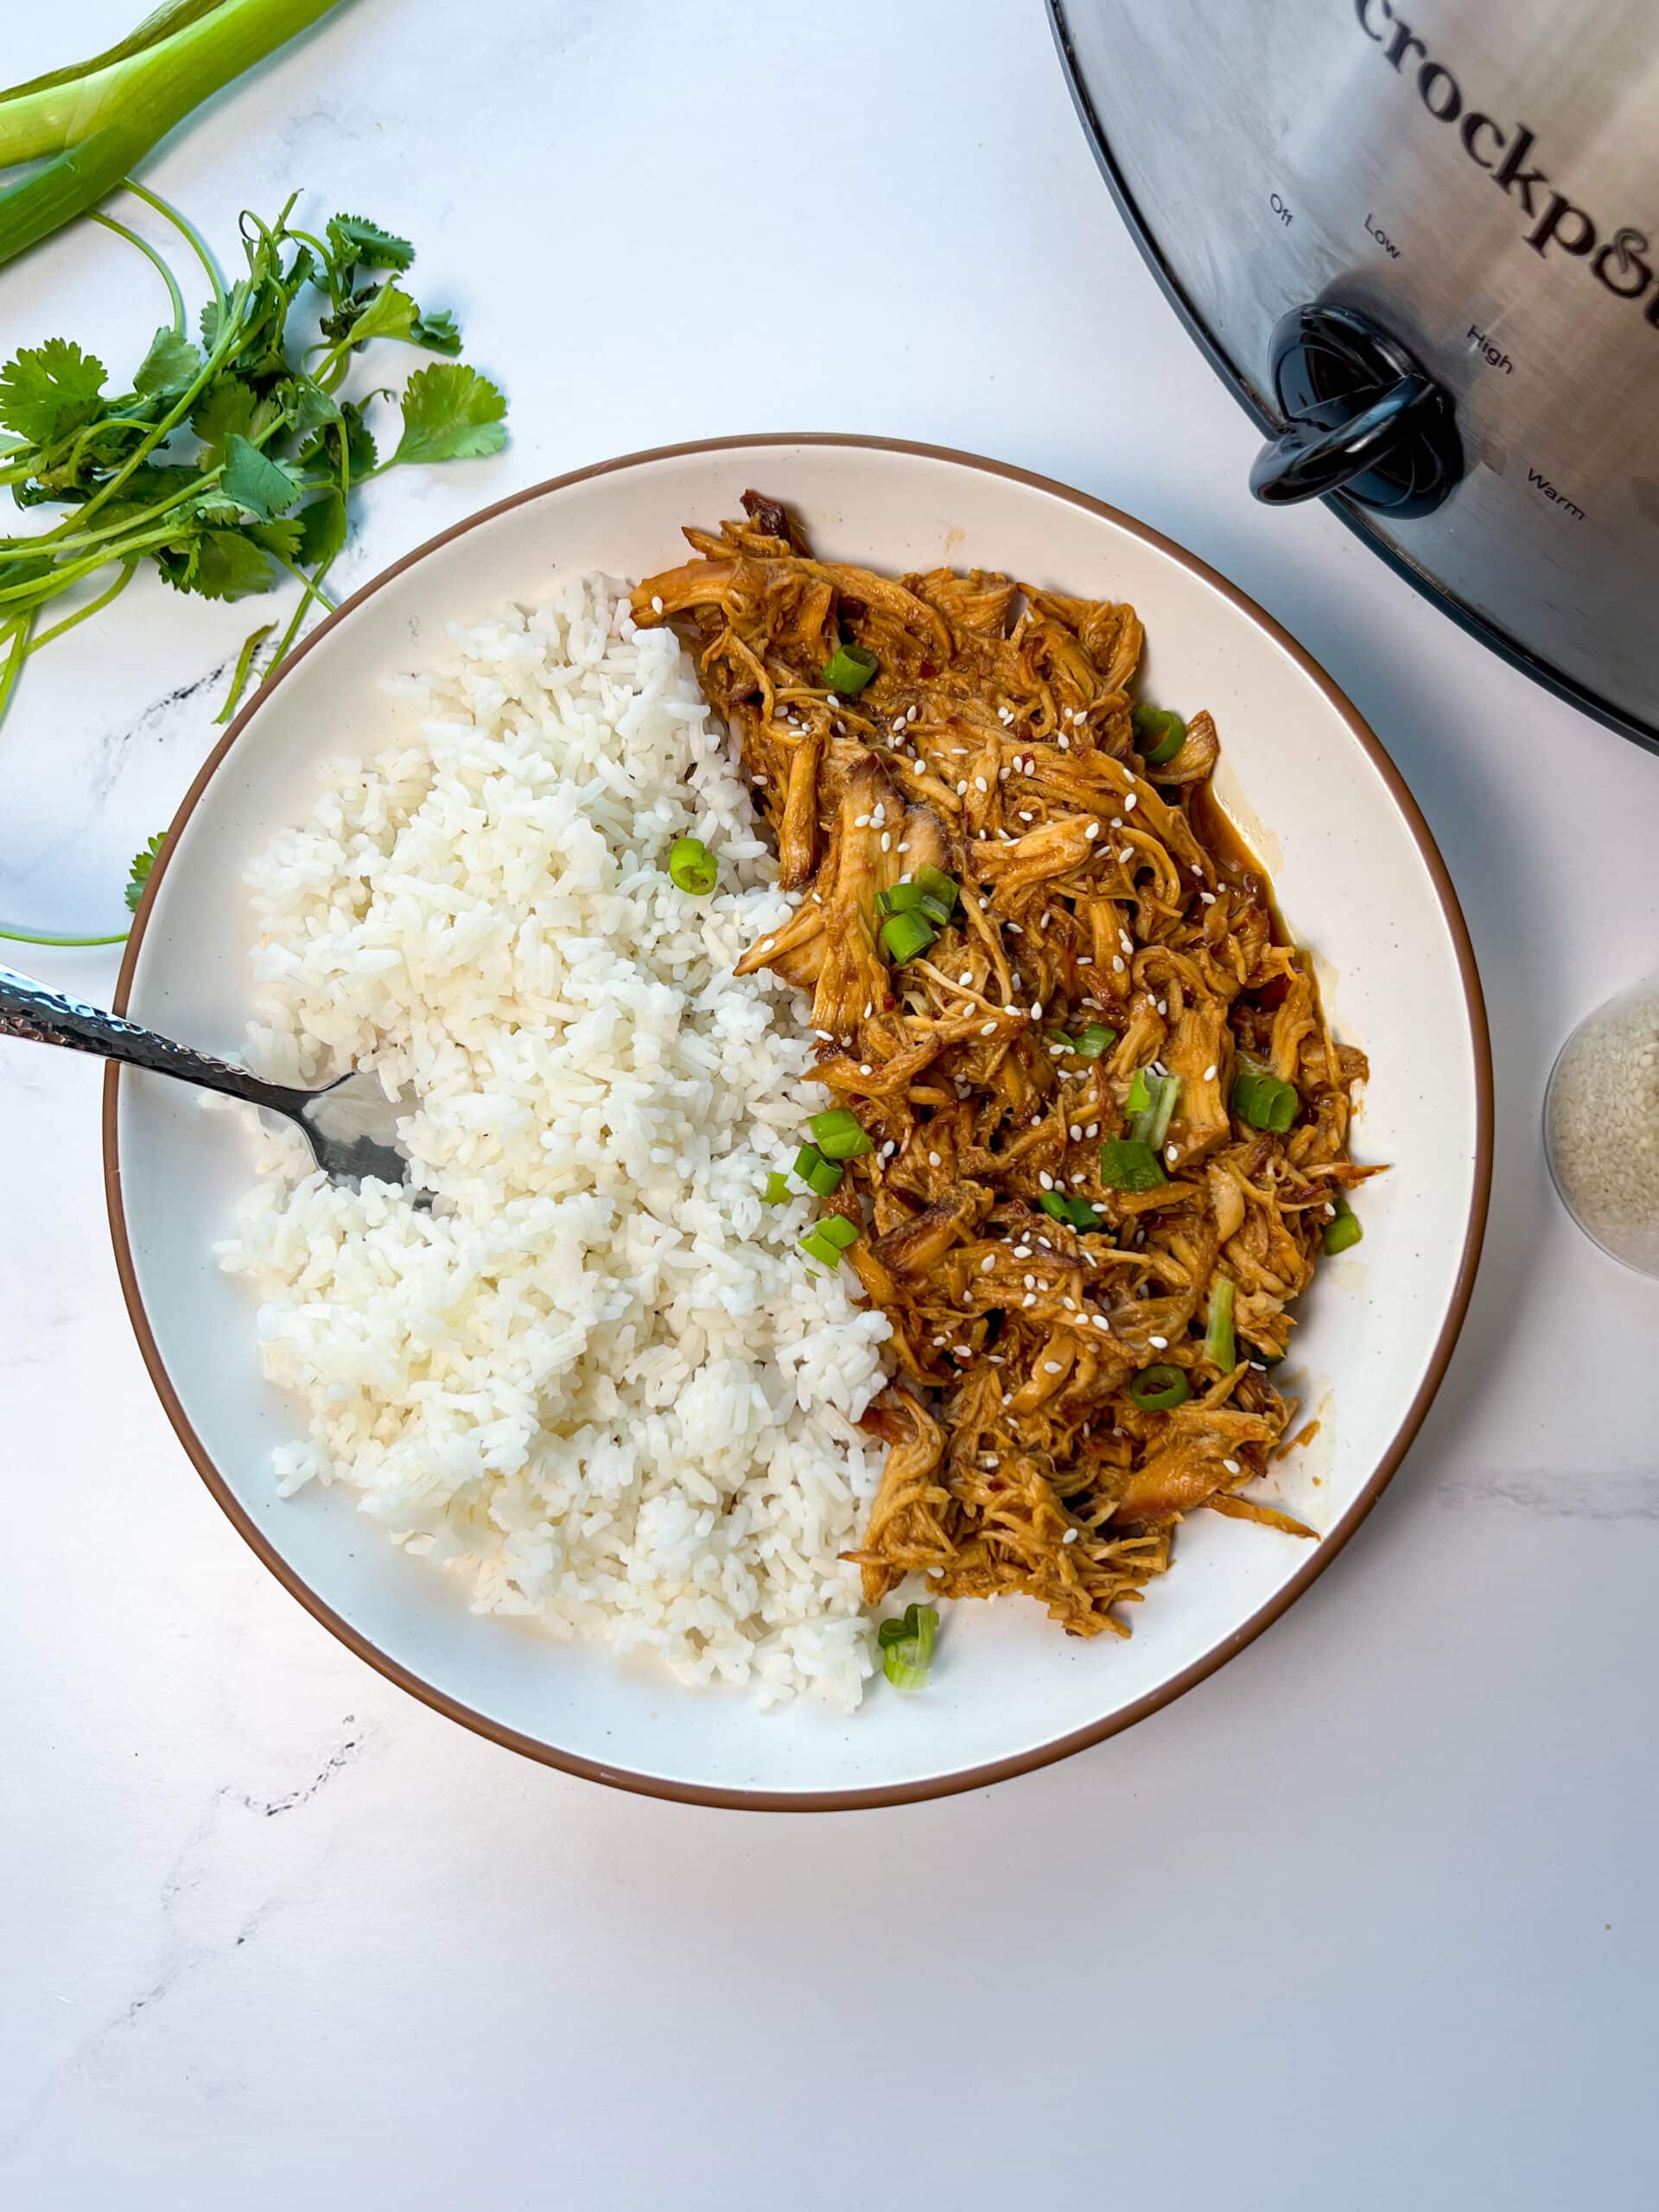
column 46, row 392
column 255, row 481
column 283, row 536
column 389, row 313
column 359, row 243
column 231, row 407
column 322, row 531
column 138, row 875
column 216, row 563
column 359, row 444
column 312, row 408
column 171, row 366
column 439, row 332
column 450, row 413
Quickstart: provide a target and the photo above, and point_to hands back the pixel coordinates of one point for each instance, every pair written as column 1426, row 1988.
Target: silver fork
column 351, row 1125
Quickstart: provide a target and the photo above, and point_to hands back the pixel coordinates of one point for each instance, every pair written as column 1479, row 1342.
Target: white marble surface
column 1368, row 1919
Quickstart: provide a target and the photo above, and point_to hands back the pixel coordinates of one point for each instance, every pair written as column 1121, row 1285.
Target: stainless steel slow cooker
column 1421, row 240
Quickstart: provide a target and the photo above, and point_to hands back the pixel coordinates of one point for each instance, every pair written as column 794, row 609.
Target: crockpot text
column 1506, row 155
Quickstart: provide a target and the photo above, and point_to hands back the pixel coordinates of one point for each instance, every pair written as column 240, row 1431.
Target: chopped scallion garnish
column 777, row 1190
column 1220, row 1344
column 903, row 936
column 1054, row 1205
column 818, row 1173
column 1129, row 1163
column 839, row 1135
column 904, row 897
column 849, row 669
column 1076, row 1212
column 1096, row 1039
column 1150, row 1104
column 1263, row 1099
column 1158, row 733
column 938, row 888
column 841, row 1232
column 906, row 1647
column 1344, row 1232
column 1158, row 1390
column 817, row 1245
column 692, row 867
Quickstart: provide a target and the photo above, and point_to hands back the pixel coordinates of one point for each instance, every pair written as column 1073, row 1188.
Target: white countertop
column 1368, row 1919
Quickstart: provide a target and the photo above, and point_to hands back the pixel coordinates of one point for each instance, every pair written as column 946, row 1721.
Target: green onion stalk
column 85, row 127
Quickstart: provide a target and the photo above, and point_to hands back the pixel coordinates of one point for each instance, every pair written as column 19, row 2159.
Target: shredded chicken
column 995, row 743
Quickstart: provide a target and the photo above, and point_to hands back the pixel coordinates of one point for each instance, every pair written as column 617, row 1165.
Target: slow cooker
column 1419, row 238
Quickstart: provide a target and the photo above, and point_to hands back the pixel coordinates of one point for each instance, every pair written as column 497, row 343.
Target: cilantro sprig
column 233, row 459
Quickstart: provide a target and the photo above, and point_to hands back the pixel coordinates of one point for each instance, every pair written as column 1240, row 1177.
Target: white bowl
column 1358, row 879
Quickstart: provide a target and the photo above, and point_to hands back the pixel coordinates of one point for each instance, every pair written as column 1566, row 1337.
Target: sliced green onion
column 935, row 885
column 1128, row 1164
column 818, row 1173
column 849, row 669
column 1158, row 733
column 905, row 898
column 1076, row 1212
column 1344, row 1232
column 817, row 1245
column 1261, row 1098
column 1156, row 1390
column 903, row 936
column 839, row 1135
column 839, row 1231
column 777, row 1190
column 1095, row 1041
column 906, row 1647
column 1150, row 1104
column 693, row 868
column 1059, row 1036
column 1220, row 1344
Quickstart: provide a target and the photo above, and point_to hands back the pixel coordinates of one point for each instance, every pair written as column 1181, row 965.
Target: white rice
column 597, row 1378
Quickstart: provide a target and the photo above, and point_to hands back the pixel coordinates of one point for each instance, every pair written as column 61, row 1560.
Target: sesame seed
column 1022, row 1251
column 1131, row 803
column 1030, row 1282
column 1126, row 940
column 830, row 700
column 1026, row 814
column 861, row 821
column 1117, row 822
column 910, row 713
column 1100, row 1320
column 987, row 1264
column 1195, row 867
column 1163, row 1006
column 1076, row 1133
column 656, row 606
column 1086, row 960
column 989, row 1030
column 766, row 945
column 865, row 1068
column 962, row 788
column 1093, row 1129
column 965, row 980
column 1210, row 1073
column 1172, row 1153
column 1231, row 1465
column 1208, row 897
column 980, row 783
column 960, row 1351
column 1046, row 1180
column 1260, row 1365
column 886, row 841
column 934, row 1161
column 1118, row 963
column 1091, row 830
column 1010, row 1009
column 869, row 1008
column 878, row 813
column 1125, row 854
column 1062, row 741
column 1030, row 1299
column 899, row 723
column 1159, row 1344
column 1005, row 714
column 1070, row 1536
column 1052, row 1367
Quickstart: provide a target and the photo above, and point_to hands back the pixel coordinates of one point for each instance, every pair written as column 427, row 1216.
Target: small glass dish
column 1601, row 1126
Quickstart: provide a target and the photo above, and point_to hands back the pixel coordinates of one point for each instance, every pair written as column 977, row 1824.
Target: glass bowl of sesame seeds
column 1601, row 1126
